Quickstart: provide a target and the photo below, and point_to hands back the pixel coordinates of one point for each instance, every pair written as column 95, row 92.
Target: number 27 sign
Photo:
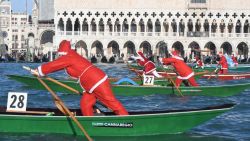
column 17, row 101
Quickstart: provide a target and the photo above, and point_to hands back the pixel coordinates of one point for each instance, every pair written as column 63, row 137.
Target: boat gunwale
column 154, row 86
column 138, row 114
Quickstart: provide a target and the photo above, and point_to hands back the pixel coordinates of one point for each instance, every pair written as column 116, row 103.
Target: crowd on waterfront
column 206, row 59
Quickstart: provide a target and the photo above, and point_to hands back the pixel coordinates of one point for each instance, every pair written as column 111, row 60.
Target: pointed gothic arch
column 210, row 46
column 60, row 25
column 113, row 49
column 162, row 49
column 81, row 48
column 97, row 49
column 243, row 50
column 195, row 49
column 227, row 48
column 146, row 48
column 179, row 46
column 130, row 48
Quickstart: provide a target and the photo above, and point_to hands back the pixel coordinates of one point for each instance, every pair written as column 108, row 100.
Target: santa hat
column 220, row 53
column 64, row 48
column 175, row 54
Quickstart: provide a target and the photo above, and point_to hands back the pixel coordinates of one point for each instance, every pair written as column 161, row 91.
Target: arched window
column 190, row 25
column 85, row 25
column 238, row 27
column 142, row 25
column 174, row 25
column 117, row 25
column 60, row 25
column 93, row 25
column 69, row 25
column 149, row 26
column 222, row 26
column 133, row 26
column 101, row 25
column 157, row 26
column 214, row 26
column 125, row 26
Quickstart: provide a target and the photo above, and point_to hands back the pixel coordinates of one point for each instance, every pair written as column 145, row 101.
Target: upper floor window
column 198, row 1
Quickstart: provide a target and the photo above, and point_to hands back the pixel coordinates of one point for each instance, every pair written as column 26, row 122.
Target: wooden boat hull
column 207, row 68
column 171, row 74
column 128, row 90
column 230, row 76
column 136, row 124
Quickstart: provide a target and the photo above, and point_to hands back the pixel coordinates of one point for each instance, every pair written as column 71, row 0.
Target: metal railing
column 160, row 34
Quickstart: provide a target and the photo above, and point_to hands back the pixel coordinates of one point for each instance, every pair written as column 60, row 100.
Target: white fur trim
column 84, row 71
column 62, row 53
column 187, row 77
column 151, row 70
column 40, row 71
column 98, row 83
column 156, row 74
column 137, row 58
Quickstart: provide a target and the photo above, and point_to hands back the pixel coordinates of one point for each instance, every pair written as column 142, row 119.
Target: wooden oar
column 201, row 73
column 55, row 81
column 64, row 109
column 213, row 72
column 67, row 111
column 67, row 87
column 32, row 112
column 172, row 81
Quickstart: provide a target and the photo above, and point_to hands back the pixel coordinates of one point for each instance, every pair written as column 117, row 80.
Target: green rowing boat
column 130, row 90
column 206, row 68
column 36, row 120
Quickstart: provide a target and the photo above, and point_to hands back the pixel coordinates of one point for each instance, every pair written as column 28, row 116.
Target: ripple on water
column 231, row 126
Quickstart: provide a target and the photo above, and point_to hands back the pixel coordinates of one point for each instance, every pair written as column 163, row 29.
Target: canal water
column 231, row 126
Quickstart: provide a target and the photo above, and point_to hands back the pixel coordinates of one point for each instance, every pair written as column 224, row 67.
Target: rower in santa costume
column 234, row 59
column 199, row 63
column 149, row 66
column 92, row 79
column 184, row 72
column 223, row 64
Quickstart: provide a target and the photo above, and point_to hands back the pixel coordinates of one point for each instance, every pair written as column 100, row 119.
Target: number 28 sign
column 17, row 101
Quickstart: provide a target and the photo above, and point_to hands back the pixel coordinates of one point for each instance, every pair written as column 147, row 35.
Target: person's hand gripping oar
column 214, row 72
column 170, row 79
column 60, row 105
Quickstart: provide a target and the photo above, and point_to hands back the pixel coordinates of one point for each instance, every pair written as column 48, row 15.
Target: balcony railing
column 159, row 34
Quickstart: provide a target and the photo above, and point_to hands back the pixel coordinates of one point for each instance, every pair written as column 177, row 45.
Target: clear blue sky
column 20, row 5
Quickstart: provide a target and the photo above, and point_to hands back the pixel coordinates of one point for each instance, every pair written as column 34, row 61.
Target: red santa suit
column 149, row 66
column 234, row 60
column 183, row 70
column 223, row 64
column 92, row 79
column 199, row 62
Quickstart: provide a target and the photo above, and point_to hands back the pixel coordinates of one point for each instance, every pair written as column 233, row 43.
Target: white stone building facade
column 122, row 27
column 22, row 35
column 5, row 26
